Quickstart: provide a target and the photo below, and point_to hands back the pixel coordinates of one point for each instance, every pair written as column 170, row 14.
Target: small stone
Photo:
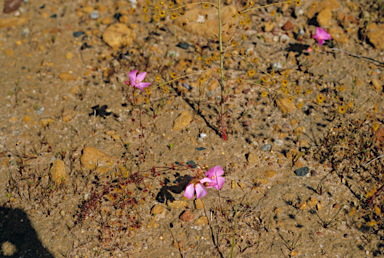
column 68, row 117
column 359, row 82
column 40, row 111
column 9, row 52
column 302, row 171
column 57, row 172
column 312, row 202
column 66, row 76
column 177, row 204
column 338, row 35
column 68, row 55
column 187, row 216
column 299, row 130
column 269, row 26
column 94, row 15
column 77, row 34
column 107, row 21
column 44, row 122
column 259, row 180
column 318, row 206
column 270, row 174
column 119, row 35
column 25, row 32
column 13, row 21
column 278, row 210
column 324, row 17
column 288, row 26
column 313, row 173
column 336, row 206
column 125, row 19
column 246, row 91
column 302, row 206
column 247, row 123
column 27, row 119
column 11, row 5
column 253, row 159
column 294, row 122
column 13, row 119
column 157, row 209
column 88, row 9
column 92, row 158
column 377, row 85
column 202, row 221
column 182, row 121
column 319, row 233
column 345, row 235
column 285, row 105
column 183, row 45
column 199, row 204
column 266, row 147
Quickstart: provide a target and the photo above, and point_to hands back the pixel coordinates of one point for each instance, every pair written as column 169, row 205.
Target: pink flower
column 199, row 187
column 136, row 81
column 215, row 174
column 321, row 35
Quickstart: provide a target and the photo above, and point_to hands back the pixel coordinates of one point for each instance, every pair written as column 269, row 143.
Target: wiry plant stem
column 221, row 73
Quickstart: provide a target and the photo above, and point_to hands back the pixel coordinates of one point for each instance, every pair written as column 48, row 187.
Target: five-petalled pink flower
column 198, row 186
column 321, row 35
column 137, row 81
column 215, row 174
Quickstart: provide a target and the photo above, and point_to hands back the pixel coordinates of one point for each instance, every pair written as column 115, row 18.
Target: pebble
column 183, row 45
column 177, row 204
column 302, row 171
column 199, row 204
column 157, row 209
column 182, row 121
column 266, row 147
column 247, row 123
column 57, row 172
column 187, row 216
column 202, row 221
column 203, row 135
column 11, row 5
column 40, row 110
column 94, row 15
column 246, row 91
column 118, row 35
column 77, row 34
column 68, row 55
column 25, row 32
column 253, row 159
column 313, row 173
column 277, row 66
column 44, row 122
column 288, row 26
column 284, row 38
column 279, row 142
column 92, row 158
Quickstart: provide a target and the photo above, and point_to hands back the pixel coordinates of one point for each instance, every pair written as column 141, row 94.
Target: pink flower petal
column 142, row 85
column 126, row 82
column 200, row 191
column 189, row 191
column 215, row 171
column 132, row 77
column 220, row 182
column 209, row 181
column 140, row 77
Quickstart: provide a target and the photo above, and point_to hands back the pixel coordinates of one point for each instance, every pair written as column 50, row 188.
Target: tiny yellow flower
column 264, row 79
column 375, row 126
column 273, row 13
column 290, row 99
column 165, row 90
column 208, row 61
column 300, row 105
column 148, row 91
column 234, row 43
column 201, row 78
column 158, row 78
column 173, row 16
column 239, row 80
column 375, row 109
column 173, row 75
column 161, row 3
column 308, row 91
column 264, row 94
column 255, row 60
column 377, row 211
column 170, row 5
column 162, row 13
column 218, row 70
column 342, row 109
column 251, row 3
column 248, row 20
column 298, row 2
column 146, row 99
column 320, row 99
column 273, row 73
column 282, row 88
column 242, row 22
column 244, row 37
column 286, row 92
column 352, row 211
column 286, row 74
column 372, row 223
column 284, row 82
column 314, row 5
column 251, row 73
column 205, row 5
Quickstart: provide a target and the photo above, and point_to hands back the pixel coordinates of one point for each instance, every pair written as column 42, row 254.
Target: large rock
column 182, row 121
column 199, row 14
column 92, row 158
column 338, row 35
column 376, row 35
column 57, row 172
column 324, row 17
column 118, row 35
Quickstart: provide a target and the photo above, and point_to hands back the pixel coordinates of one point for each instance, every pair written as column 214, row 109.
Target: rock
column 376, row 35
column 260, row 181
column 57, row 172
column 27, row 119
column 177, row 204
column 326, row 4
column 285, row 105
column 336, row 206
column 278, row 210
column 380, row 135
column 9, row 52
column 270, row 174
column 253, row 159
column 313, row 173
column 359, row 82
column 92, row 158
column 302, row 171
column 94, row 15
column 213, row 85
column 114, row 135
column 68, row 117
column 77, row 34
column 247, row 123
column 266, row 147
column 157, row 209
column 187, row 216
column 202, row 221
column 11, row 5
column 13, row 21
column 288, row 26
column 338, row 35
column 312, row 202
column 125, row 19
column 269, row 26
column 199, row 204
column 66, row 76
column 75, row 90
column 294, row 122
column 88, row 9
column 107, row 21
column 44, row 122
column 377, row 85
column 246, row 91
column 68, row 55
column 119, row 35
column 324, row 17
column 299, row 130
column 198, row 14
column 182, row 121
